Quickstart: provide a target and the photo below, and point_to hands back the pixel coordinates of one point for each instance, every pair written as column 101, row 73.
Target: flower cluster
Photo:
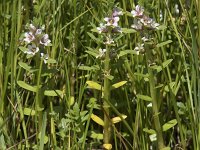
column 35, row 39
column 111, row 24
column 141, row 20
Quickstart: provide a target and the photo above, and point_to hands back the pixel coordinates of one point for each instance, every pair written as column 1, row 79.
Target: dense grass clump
column 96, row 74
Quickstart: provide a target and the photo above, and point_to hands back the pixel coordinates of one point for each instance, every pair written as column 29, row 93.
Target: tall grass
column 148, row 101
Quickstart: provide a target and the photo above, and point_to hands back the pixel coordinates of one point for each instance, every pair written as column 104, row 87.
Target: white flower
column 155, row 25
column 101, row 53
column 29, row 37
column 32, row 28
column 144, row 39
column 137, row 25
column 109, row 41
column 138, row 48
column 138, row 12
column 112, row 21
column 32, row 49
column 45, row 40
column 38, row 31
column 176, row 9
column 161, row 15
column 45, row 57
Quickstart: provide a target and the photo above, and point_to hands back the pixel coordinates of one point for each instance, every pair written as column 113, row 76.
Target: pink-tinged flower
column 32, row 49
column 102, row 28
column 29, row 37
column 146, row 21
column 116, row 30
column 116, row 12
column 38, row 31
column 137, row 25
column 112, row 21
column 45, row 40
column 32, row 28
column 138, row 12
column 45, row 57
column 101, row 53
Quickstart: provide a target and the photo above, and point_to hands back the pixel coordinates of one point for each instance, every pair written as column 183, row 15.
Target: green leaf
column 156, row 67
column 92, row 53
column 23, row 49
column 88, row 68
column 93, row 37
column 95, row 30
column 25, row 66
column 165, row 148
column 94, row 85
column 171, row 86
column 166, row 63
column 117, row 85
column 2, row 142
column 51, row 61
column 29, row 112
column 95, row 135
column 125, row 52
column 53, row 93
column 149, row 131
column 110, row 77
column 118, row 119
column 43, row 138
column 163, row 43
column 144, row 97
column 162, row 27
column 126, row 30
column 97, row 119
column 27, row 86
column 169, row 124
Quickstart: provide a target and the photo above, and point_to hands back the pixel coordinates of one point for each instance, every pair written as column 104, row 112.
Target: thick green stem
column 156, row 119
column 107, row 123
column 38, row 104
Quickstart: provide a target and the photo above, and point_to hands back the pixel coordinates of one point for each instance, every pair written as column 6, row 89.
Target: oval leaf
column 125, row 52
column 95, row 135
column 94, row 85
column 163, row 43
column 53, row 93
column 126, row 30
column 150, row 131
column 144, row 97
column 169, row 124
column 96, row 119
column 29, row 112
column 107, row 146
column 27, row 86
column 166, row 63
column 116, row 85
column 25, row 66
column 118, row 119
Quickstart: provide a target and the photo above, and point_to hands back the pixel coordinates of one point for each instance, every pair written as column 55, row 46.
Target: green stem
column 106, row 97
column 38, row 104
column 156, row 119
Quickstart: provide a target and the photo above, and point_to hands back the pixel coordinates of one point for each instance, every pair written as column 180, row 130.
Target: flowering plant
column 35, row 41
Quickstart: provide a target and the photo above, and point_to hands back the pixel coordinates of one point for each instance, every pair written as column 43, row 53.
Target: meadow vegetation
column 98, row 74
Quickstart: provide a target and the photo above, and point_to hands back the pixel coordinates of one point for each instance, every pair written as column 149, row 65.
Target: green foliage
column 50, row 105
